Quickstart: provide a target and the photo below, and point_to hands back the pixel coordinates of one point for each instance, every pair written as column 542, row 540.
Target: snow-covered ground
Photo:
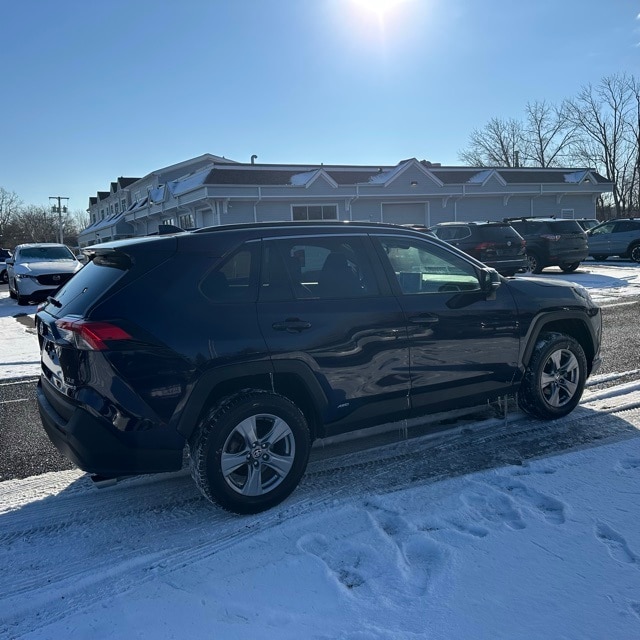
column 496, row 530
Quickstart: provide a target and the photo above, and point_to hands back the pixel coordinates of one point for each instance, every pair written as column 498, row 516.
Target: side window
column 316, row 267
column 235, row 278
column 422, row 268
column 605, row 228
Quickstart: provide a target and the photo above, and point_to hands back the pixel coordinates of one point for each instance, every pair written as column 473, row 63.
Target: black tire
column 535, row 265
column 600, row 257
column 634, row 252
column 554, row 380
column 22, row 300
column 234, row 461
column 4, row 277
column 568, row 268
column 12, row 293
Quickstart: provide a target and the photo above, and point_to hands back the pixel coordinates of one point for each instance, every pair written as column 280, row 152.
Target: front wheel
column 555, row 378
column 634, row 253
column 568, row 268
column 250, row 451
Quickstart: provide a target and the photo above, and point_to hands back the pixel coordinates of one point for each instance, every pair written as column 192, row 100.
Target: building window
column 315, row 212
column 186, row 221
column 116, row 207
column 123, row 203
column 169, row 221
column 567, row 213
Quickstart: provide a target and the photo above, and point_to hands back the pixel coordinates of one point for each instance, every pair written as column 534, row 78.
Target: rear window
column 499, row 231
column 565, row 226
column 86, row 285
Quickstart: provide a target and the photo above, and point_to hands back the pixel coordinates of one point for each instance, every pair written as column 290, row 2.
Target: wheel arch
column 573, row 325
column 291, row 379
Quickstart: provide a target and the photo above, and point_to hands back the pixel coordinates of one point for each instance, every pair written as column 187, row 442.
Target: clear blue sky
column 96, row 90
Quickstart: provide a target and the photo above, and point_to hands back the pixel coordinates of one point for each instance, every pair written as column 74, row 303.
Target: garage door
column 405, row 213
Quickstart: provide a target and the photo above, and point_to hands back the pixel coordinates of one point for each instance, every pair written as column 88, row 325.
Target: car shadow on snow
column 382, row 463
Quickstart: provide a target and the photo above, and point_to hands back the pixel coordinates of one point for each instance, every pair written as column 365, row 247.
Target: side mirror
column 9, row 261
column 489, row 282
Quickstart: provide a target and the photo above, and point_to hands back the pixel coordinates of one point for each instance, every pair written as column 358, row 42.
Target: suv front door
column 462, row 341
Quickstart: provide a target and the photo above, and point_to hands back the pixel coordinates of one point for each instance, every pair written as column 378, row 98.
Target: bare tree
column 548, row 134
column 601, row 115
column 9, row 205
column 36, row 224
column 498, row 144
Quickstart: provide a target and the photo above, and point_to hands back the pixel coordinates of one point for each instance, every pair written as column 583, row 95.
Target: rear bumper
column 93, row 445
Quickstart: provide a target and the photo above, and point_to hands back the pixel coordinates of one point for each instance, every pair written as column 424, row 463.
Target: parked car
column 39, row 269
column 496, row 244
column 245, row 343
column 4, row 255
column 552, row 242
column 620, row 237
column 587, row 223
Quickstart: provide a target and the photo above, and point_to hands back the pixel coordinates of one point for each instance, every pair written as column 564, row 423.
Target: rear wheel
column 535, row 266
column 250, row 451
column 634, row 253
column 555, row 378
column 4, row 277
column 568, row 268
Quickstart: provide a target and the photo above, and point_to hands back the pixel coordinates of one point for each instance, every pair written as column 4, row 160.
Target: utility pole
column 59, row 209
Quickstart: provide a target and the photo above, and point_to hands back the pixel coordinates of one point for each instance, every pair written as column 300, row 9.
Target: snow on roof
column 576, row 176
column 480, row 177
column 300, row 179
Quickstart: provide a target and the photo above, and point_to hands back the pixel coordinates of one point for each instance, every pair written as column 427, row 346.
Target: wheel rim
column 635, row 254
column 258, row 454
column 560, row 378
column 533, row 263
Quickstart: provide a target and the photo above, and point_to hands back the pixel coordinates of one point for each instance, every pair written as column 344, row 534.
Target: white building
column 212, row 190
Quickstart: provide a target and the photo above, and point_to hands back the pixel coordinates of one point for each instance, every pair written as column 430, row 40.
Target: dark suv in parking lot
column 245, row 343
column 552, row 242
column 496, row 244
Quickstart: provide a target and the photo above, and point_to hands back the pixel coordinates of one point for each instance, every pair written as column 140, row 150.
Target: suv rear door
column 326, row 309
column 461, row 341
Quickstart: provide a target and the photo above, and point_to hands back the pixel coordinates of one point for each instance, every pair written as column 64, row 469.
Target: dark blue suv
column 245, row 343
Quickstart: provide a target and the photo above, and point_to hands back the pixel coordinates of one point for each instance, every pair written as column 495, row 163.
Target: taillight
column 483, row 246
column 88, row 335
column 551, row 237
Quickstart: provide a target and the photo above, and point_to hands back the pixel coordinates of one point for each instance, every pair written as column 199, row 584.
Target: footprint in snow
column 549, row 508
column 492, row 508
column 400, row 560
column 616, row 544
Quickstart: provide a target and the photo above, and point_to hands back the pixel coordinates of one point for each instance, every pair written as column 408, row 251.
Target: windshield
column 46, row 253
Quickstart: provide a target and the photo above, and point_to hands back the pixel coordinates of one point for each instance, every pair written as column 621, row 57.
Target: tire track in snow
column 167, row 525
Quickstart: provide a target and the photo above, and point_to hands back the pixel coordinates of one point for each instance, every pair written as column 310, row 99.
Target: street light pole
column 59, row 209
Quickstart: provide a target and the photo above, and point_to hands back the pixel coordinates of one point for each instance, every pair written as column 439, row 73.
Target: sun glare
column 379, row 7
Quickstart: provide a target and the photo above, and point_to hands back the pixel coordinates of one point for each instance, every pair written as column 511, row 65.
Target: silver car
column 619, row 237
column 36, row 271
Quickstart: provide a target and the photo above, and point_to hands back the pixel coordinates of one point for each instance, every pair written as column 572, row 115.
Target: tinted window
column 565, row 226
column 316, row 267
column 87, row 284
column 235, row 278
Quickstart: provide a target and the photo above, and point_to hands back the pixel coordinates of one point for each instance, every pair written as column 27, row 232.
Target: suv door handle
column 292, row 325
column 426, row 319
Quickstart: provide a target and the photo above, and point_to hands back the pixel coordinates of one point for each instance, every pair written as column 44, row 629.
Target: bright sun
column 381, row 7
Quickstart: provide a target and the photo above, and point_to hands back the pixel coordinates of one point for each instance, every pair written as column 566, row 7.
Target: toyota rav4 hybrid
column 240, row 345
column 39, row 269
